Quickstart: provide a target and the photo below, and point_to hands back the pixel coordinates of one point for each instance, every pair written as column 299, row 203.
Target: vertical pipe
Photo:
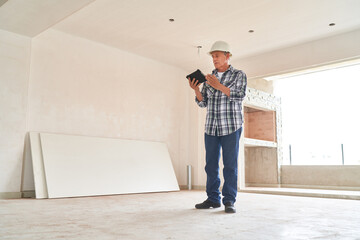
column 189, row 177
column 290, row 154
column 342, row 153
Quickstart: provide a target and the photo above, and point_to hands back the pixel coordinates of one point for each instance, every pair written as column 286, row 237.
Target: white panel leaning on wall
column 74, row 166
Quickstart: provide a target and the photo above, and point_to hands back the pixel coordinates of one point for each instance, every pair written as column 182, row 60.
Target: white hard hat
column 220, row 46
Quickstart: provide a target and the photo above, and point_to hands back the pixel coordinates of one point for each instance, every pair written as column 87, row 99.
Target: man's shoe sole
column 230, row 210
column 212, row 206
column 207, row 205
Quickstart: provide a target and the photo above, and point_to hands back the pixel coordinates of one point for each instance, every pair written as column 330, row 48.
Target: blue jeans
column 230, row 151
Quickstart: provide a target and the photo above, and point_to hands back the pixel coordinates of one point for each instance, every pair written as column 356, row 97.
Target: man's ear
column 227, row 56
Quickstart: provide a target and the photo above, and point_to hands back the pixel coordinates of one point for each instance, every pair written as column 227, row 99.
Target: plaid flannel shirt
column 224, row 114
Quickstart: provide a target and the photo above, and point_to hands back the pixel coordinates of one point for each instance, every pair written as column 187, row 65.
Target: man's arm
column 238, row 90
column 225, row 90
column 235, row 92
column 198, row 94
column 214, row 82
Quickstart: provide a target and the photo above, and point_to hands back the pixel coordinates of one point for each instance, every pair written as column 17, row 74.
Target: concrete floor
column 172, row 216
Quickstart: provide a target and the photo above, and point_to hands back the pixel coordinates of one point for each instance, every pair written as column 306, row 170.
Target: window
column 321, row 117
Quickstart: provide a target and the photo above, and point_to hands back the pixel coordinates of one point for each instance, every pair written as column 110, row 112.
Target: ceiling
column 31, row 17
column 143, row 27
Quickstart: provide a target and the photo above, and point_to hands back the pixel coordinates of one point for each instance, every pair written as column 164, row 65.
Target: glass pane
column 319, row 113
column 351, row 153
column 316, row 154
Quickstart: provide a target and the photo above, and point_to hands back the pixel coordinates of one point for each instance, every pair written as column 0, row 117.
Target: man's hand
column 213, row 81
column 194, row 84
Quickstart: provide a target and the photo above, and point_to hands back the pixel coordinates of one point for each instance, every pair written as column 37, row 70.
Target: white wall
column 316, row 53
column 328, row 176
column 82, row 87
column 14, row 75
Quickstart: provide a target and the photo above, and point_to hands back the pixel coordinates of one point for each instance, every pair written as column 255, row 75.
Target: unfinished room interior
column 101, row 136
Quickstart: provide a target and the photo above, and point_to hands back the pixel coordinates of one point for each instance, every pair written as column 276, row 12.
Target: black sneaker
column 207, row 204
column 229, row 207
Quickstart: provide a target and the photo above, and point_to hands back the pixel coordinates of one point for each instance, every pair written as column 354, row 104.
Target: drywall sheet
column 38, row 166
column 27, row 176
column 88, row 166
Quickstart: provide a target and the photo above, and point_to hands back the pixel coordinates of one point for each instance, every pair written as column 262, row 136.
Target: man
column 222, row 94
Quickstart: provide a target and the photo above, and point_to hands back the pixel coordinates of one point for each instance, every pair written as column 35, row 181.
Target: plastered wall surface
column 76, row 86
column 347, row 176
column 315, row 53
column 82, row 87
column 14, row 74
column 261, row 84
column 261, row 165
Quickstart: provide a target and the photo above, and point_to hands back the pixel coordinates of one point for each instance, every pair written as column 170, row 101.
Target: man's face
column 220, row 59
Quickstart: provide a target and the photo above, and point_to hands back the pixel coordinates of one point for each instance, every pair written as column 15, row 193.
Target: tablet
column 198, row 75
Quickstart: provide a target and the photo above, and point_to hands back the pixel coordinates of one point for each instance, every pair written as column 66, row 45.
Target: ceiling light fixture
column 199, row 47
